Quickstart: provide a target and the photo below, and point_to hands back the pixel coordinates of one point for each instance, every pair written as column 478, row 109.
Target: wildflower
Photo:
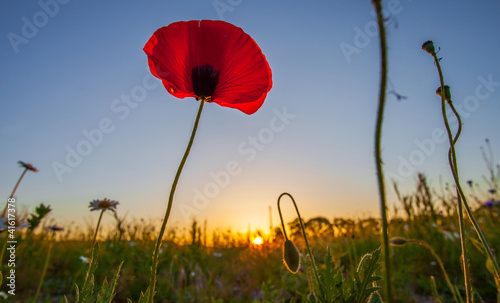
column 210, row 60
column 492, row 191
column 489, row 203
column 469, row 182
column 14, row 223
column 28, row 166
column 41, row 212
column 103, row 204
column 448, row 235
column 84, row 259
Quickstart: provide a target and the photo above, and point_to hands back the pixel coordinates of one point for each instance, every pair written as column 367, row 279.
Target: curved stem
column 448, row 281
column 152, row 281
column 454, row 169
column 97, row 228
column 378, row 153
column 14, row 191
column 453, row 164
column 304, row 234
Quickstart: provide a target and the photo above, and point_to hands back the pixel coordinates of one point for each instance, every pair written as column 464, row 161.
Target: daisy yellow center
column 104, row 204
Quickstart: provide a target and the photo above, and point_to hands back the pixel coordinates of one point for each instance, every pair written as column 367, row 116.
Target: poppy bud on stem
column 290, row 253
column 291, row 257
column 452, row 159
column 447, row 93
column 428, row 46
column 398, row 241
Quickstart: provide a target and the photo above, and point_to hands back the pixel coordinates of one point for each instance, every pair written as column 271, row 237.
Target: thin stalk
column 47, row 259
column 4, row 246
column 303, row 233
column 453, row 164
column 152, row 281
column 378, row 153
column 4, row 213
column 438, row 259
column 468, row 290
column 454, row 169
column 97, row 228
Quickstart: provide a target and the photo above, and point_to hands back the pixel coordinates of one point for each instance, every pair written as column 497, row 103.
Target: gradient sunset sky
column 71, row 70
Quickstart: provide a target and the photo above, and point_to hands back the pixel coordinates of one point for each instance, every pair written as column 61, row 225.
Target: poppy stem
column 461, row 196
column 378, row 154
column 152, row 281
column 14, row 191
column 305, row 238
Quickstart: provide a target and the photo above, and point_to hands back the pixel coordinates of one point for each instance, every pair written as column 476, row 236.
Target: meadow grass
column 227, row 267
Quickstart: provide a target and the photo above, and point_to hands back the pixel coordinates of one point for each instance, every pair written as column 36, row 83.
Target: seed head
column 428, row 46
column 398, row 241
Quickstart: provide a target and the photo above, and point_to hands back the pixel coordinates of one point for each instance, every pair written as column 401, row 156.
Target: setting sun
column 258, row 241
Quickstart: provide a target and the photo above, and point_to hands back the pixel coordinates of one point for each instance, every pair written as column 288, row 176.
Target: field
column 228, row 267
column 436, row 243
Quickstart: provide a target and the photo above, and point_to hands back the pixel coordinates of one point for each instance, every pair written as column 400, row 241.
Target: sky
column 79, row 103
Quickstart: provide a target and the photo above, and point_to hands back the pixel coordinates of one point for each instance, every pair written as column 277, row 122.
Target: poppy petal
column 244, row 74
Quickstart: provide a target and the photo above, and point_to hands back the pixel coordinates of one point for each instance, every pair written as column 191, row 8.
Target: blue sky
column 75, row 92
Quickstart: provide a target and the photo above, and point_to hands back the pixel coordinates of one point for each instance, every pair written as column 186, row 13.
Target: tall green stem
column 152, row 281
column 378, row 153
column 453, row 164
column 97, row 228
column 14, row 191
column 303, row 233
column 46, row 265
column 461, row 196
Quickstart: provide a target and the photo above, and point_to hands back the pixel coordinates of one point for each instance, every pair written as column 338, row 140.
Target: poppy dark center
column 205, row 79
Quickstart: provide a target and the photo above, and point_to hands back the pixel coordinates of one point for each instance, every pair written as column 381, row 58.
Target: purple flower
column 489, row 203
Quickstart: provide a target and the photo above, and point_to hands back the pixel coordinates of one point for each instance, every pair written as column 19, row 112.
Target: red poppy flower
column 214, row 60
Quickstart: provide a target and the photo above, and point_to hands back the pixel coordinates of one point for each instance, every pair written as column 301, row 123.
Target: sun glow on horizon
column 258, row 241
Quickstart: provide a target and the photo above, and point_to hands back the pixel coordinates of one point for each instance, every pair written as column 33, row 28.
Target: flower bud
column 447, row 93
column 398, row 241
column 428, row 46
column 291, row 257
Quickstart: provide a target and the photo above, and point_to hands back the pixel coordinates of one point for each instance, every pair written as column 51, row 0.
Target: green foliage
column 40, row 212
column 356, row 287
column 107, row 291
